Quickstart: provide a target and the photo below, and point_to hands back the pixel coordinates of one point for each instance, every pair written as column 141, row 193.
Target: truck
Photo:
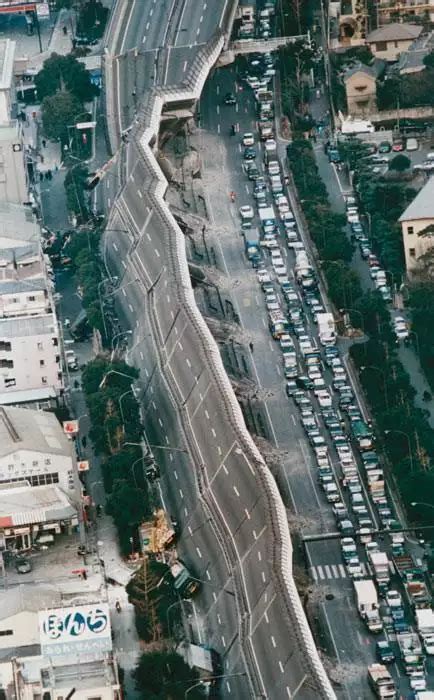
column 413, row 580
column 425, row 627
column 411, row 651
column 270, row 150
column 362, row 435
column 304, row 271
column 367, row 604
column 266, row 130
column 381, row 682
column 380, row 564
column 376, row 485
column 184, row 583
column 326, row 329
column 278, row 324
column 252, row 247
column 268, row 219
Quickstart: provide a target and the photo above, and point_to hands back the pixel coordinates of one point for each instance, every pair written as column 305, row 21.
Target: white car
column 401, row 327
column 323, row 397
column 246, row 212
column 354, row 567
column 273, row 167
column 428, row 643
column 280, row 270
column 393, row 599
column 248, row 139
column 353, row 216
column 417, row 680
column 263, row 276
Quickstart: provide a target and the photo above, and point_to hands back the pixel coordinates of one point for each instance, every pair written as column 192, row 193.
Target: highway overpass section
column 223, row 488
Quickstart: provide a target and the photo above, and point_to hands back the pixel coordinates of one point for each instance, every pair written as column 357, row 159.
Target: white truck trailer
column 367, row 604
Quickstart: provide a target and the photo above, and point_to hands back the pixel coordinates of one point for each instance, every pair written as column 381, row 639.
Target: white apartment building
column 30, row 353
column 34, row 448
column 417, row 226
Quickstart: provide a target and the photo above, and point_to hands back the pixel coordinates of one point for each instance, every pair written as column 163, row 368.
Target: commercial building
column 34, row 449
column 390, row 41
column 14, row 183
column 32, row 515
column 49, row 649
column 417, row 225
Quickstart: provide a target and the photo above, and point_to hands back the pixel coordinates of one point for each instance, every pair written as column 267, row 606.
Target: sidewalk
column 59, row 42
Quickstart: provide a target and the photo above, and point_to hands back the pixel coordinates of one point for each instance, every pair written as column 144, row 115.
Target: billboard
column 70, row 427
column 82, row 629
column 83, row 465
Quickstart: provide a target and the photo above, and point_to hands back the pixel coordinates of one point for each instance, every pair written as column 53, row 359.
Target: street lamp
column 421, row 503
column 118, row 335
column 129, row 391
column 386, row 399
column 140, row 459
column 350, row 310
column 159, row 447
column 212, row 678
column 115, row 371
column 410, row 452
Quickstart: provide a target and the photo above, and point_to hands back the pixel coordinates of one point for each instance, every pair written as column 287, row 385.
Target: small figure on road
column 84, row 441
column 251, row 346
column 65, row 30
column 118, row 606
column 44, row 143
column 232, row 196
column 233, row 129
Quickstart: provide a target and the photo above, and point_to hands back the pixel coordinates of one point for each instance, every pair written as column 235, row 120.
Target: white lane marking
column 140, row 194
column 141, row 355
column 156, row 253
column 123, row 264
column 223, row 641
column 313, row 573
column 147, row 26
column 217, row 109
column 214, row 434
column 181, row 494
column 218, row 128
column 335, row 571
column 188, row 362
column 225, row 469
column 144, row 39
column 327, row 570
column 185, row 66
column 130, row 308
column 236, row 491
column 124, row 293
column 115, row 247
column 199, row 553
column 320, row 572
column 264, row 578
column 206, row 414
column 219, row 620
column 214, row 595
column 247, row 513
column 175, row 474
column 273, row 641
column 201, row 19
column 282, row 670
column 160, row 422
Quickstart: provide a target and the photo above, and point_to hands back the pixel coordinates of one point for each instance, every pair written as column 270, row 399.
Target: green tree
column 92, row 19
column 428, row 61
column 164, row 675
column 400, row 163
column 58, row 112
column 155, row 601
column 128, row 506
column 65, row 73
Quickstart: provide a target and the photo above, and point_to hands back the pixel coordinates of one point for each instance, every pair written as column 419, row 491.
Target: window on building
column 47, row 461
column 55, row 342
column 57, row 358
column 5, row 346
column 410, row 230
column 381, row 46
column 6, row 633
column 40, row 346
column 41, row 363
column 396, row 44
column 412, row 252
column 15, row 300
column 44, row 380
column 9, row 382
column 59, row 376
column 7, row 363
column 31, row 298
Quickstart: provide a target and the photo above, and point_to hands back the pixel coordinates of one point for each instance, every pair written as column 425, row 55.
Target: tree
column 428, row 61
column 128, row 506
column 155, row 601
column 58, row 112
column 92, row 19
column 164, row 675
column 60, row 73
column 400, row 163
column 75, row 189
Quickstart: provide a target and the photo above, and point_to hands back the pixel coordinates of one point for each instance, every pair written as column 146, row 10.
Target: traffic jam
column 390, row 589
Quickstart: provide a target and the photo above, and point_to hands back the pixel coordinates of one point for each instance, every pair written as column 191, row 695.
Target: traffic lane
column 154, row 25
column 284, row 671
column 178, row 64
column 191, row 21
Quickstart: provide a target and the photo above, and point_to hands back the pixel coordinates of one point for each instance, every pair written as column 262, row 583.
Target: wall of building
column 19, row 630
column 23, row 303
column 13, row 175
column 361, row 94
column 412, row 242
column 38, row 467
column 36, row 358
column 391, row 51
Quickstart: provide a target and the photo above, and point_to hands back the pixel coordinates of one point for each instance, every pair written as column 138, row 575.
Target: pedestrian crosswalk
column 334, row 571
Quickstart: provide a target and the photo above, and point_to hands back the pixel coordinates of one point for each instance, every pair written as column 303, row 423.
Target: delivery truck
column 326, row 329
column 367, row 604
column 381, row 682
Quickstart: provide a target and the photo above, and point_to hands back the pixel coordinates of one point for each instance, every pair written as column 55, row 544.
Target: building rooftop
column 27, row 285
column 422, row 206
column 374, row 70
column 25, row 505
column 27, row 396
column 19, row 327
column 7, row 53
column 18, row 226
column 32, row 598
column 395, row 32
column 411, row 61
column 24, row 429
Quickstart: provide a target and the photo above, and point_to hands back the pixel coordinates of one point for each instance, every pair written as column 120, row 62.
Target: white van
column 71, row 360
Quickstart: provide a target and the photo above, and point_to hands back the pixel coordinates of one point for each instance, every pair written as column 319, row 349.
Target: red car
column 398, row 145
